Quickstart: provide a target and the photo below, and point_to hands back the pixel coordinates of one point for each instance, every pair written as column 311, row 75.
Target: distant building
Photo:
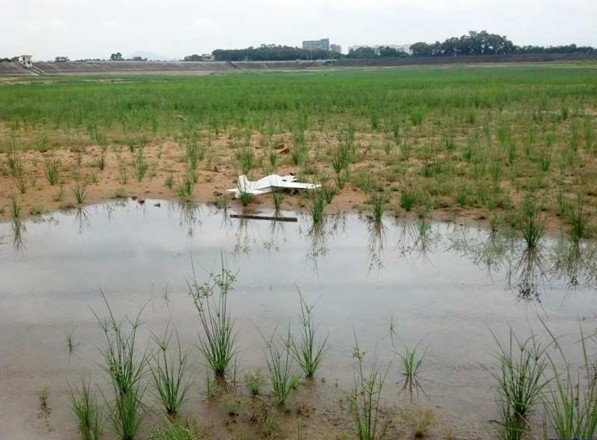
column 323, row 44
column 208, row 57
column 25, row 60
column 336, row 48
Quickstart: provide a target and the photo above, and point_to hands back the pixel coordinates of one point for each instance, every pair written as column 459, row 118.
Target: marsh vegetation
column 458, row 141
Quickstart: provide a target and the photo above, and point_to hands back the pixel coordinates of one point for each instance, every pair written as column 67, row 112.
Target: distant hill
column 150, row 56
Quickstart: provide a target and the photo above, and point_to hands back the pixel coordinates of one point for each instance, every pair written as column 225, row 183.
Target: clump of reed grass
column 365, row 399
column 420, row 420
column 254, row 381
column 87, row 412
column 378, row 200
column 52, row 170
column 408, row 199
column 245, row 157
column 280, row 367
column 343, row 156
column 411, row 363
column 318, row 201
column 186, row 185
column 194, row 152
column 175, row 430
column 101, row 160
column 299, row 150
column 169, row 182
column 141, row 166
column 531, row 223
column 126, row 370
column 520, row 381
column 20, row 182
column 169, row 372
column 71, row 345
column 217, row 342
column 310, row 350
column 80, row 193
column 245, row 197
column 417, row 115
column 578, row 220
column 15, row 208
column 15, row 166
column 278, row 198
column 571, row 399
column 42, row 396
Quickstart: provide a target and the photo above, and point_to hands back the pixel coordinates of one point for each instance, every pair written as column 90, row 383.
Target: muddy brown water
column 395, row 286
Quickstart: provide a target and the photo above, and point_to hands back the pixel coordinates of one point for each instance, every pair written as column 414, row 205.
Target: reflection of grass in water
column 525, row 267
column 377, row 239
column 527, row 273
column 415, row 237
column 188, row 215
column 491, row 252
column 244, row 238
column 320, row 233
column 576, row 262
column 17, row 225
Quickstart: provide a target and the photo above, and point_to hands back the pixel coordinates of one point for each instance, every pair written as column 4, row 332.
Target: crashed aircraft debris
column 268, row 184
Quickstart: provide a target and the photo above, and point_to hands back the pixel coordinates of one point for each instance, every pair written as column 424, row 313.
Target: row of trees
column 272, row 52
column 118, row 57
column 484, row 43
column 473, row 43
column 375, row 52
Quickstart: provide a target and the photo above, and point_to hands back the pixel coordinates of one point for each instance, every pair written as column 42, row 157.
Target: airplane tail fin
column 243, row 183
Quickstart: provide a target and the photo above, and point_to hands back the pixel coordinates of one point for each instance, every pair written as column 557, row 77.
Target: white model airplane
column 268, row 184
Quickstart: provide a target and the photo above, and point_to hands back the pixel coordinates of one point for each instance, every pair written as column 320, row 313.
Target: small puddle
column 444, row 286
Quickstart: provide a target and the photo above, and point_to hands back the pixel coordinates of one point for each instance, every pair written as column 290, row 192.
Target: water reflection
column 277, row 236
column 243, row 238
column 319, row 234
column 527, row 274
column 188, row 215
column 575, row 262
column 18, row 228
column 81, row 217
column 375, row 245
column 529, row 270
column 415, row 237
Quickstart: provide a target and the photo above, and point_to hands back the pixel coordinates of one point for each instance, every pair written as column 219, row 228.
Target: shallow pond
column 444, row 286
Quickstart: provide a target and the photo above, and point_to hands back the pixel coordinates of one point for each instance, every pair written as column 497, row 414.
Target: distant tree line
column 484, row 43
column 473, row 43
column 272, row 52
column 367, row 52
column 118, row 57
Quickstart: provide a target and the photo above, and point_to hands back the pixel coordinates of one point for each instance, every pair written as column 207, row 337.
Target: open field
column 457, row 141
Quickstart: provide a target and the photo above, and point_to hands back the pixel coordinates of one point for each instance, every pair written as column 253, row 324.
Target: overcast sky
column 175, row 28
